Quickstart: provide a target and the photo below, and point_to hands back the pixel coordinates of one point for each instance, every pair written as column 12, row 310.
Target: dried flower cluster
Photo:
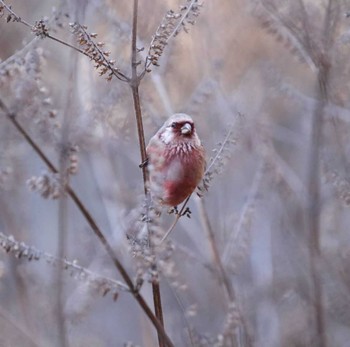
column 171, row 25
column 102, row 285
column 47, row 185
column 233, row 319
column 21, row 77
column 151, row 258
column 96, row 52
column 41, row 28
column 73, row 160
column 222, row 154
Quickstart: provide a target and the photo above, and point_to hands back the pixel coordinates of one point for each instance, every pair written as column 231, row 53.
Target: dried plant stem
column 185, row 318
column 229, row 290
column 117, row 74
column 138, row 297
column 315, row 208
column 134, row 84
column 141, row 134
column 63, row 201
column 216, row 258
column 17, row 18
column 314, row 186
column 62, row 237
column 214, row 250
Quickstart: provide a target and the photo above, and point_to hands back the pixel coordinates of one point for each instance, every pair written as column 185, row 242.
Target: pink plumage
column 176, row 160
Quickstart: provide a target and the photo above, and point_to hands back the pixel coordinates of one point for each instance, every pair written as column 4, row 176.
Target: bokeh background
column 276, row 211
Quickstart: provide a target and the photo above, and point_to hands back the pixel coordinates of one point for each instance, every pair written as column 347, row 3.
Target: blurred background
column 263, row 261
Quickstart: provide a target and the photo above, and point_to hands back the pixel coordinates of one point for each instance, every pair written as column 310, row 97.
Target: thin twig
column 314, row 190
column 117, row 74
column 15, row 16
column 24, row 251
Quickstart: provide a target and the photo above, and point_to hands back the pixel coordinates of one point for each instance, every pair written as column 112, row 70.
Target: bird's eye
column 174, row 125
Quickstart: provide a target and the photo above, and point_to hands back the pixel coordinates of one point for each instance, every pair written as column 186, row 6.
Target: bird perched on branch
column 176, row 160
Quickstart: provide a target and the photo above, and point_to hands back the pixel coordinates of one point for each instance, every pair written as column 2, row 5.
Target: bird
column 175, row 160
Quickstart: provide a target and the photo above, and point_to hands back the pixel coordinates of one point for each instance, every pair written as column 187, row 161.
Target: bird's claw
column 186, row 213
column 143, row 164
column 173, row 210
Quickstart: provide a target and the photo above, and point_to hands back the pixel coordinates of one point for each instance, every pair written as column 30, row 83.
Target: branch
column 41, row 30
column 21, row 250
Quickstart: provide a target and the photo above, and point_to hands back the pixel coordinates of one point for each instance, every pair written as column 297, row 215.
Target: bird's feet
column 186, row 213
column 174, row 210
column 143, row 164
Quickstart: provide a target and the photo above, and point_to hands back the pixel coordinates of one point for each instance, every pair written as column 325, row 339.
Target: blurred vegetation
column 263, row 259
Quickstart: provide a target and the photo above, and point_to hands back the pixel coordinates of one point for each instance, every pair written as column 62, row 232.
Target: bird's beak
column 186, row 129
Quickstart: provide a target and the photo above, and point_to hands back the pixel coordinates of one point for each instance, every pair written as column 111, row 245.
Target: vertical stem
column 157, row 301
column 155, row 285
column 315, row 208
column 134, row 84
column 314, row 174
column 62, row 236
column 230, row 293
column 141, row 135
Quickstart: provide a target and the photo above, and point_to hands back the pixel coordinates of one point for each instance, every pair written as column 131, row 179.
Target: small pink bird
column 176, row 160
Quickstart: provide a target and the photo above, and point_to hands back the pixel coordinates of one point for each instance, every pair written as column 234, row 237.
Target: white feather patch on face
column 167, row 136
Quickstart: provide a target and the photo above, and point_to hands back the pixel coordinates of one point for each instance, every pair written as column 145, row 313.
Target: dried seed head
column 171, row 26
column 95, row 51
column 47, row 185
column 40, row 28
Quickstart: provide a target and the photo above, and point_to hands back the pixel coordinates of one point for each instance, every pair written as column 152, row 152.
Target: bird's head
column 179, row 128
